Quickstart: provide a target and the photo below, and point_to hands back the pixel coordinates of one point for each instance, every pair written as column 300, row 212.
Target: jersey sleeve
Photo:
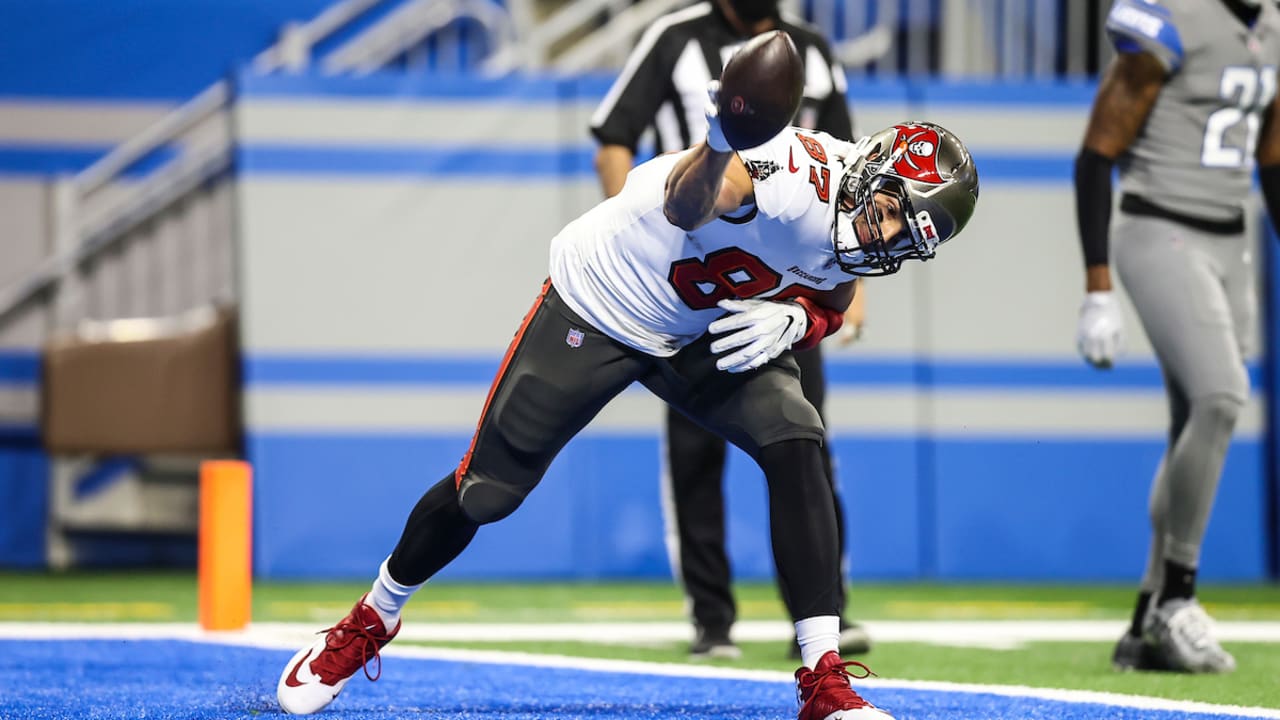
column 1146, row 26
column 634, row 98
column 779, row 171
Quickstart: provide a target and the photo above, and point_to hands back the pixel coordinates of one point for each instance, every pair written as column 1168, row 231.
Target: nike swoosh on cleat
column 292, row 680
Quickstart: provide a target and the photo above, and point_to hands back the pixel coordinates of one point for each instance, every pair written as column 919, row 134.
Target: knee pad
column 485, row 500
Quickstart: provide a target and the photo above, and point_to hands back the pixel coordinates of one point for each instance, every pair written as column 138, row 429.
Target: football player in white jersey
column 695, row 281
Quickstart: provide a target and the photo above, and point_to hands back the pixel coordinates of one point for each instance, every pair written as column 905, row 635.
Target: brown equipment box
column 144, row 386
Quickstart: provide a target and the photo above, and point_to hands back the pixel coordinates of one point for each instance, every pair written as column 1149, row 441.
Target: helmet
column 931, row 174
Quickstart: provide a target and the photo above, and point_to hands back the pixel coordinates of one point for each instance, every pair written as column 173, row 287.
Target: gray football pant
column 1194, row 293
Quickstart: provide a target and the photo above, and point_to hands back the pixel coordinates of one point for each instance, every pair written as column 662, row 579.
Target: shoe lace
column 837, row 676
column 344, row 644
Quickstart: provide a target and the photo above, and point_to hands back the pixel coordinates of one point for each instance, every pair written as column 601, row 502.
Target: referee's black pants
column 695, row 463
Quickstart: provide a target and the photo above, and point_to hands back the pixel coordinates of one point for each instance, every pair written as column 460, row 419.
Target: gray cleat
column 1133, row 653
column 1181, row 635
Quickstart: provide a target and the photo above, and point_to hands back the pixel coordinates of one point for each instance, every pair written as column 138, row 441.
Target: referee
column 663, row 86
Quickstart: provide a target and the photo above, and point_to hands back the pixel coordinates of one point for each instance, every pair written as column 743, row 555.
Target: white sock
column 817, row 637
column 388, row 597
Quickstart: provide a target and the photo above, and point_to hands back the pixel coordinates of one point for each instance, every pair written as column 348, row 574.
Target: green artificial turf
column 171, row 597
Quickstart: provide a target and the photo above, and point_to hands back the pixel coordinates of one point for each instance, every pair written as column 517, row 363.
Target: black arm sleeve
column 1269, row 176
column 1093, row 205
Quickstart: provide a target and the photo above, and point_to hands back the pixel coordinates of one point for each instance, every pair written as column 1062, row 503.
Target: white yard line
column 288, row 636
column 970, row 633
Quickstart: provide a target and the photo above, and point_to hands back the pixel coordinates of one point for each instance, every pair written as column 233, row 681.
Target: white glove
column 1100, row 329
column 715, row 136
column 765, row 330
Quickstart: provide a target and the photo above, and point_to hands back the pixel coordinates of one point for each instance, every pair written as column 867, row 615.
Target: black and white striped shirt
column 663, row 84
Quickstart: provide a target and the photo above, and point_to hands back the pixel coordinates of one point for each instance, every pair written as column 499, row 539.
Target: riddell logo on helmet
column 928, row 230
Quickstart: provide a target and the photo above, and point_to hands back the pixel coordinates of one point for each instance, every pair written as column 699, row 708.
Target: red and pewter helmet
column 931, row 173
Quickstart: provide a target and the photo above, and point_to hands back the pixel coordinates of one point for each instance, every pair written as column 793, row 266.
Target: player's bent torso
column 1196, row 151
column 645, row 282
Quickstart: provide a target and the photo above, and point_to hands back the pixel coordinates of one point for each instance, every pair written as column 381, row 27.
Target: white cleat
column 1182, row 634
column 317, row 673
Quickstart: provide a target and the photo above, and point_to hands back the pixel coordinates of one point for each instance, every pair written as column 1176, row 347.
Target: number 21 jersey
column 1196, row 151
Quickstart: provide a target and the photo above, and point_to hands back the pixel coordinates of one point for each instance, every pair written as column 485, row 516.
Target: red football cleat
column 825, row 693
column 317, row 673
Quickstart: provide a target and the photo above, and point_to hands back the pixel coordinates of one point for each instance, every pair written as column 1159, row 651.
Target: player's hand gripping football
column 765, row 330
column 715, row 135
column 1100, row 330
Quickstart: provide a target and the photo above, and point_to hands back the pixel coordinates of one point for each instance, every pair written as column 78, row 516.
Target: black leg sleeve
column 813, row 382
column 802, row 522
column 436, row 532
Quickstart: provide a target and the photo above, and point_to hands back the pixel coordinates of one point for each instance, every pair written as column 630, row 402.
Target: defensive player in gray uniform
column 1180, row 110
column 693, row 281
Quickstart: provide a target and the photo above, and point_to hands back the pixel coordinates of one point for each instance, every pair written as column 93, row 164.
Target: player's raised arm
column 709, row 180
column 762, row 83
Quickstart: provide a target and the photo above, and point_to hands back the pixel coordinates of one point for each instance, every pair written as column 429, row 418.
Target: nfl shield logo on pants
column 574, row 338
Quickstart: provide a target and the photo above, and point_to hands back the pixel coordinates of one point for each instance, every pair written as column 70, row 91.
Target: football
column 760, row 89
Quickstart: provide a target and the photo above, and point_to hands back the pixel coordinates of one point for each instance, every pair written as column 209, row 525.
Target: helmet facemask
column 877, row 254
column 934, row 185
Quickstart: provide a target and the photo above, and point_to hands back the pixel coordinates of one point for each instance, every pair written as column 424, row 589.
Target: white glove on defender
column 1100, row 330
column 715, row 136
column 765, row 330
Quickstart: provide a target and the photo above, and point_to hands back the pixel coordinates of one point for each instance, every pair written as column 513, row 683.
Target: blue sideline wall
column 24, row 467
column 395, row 229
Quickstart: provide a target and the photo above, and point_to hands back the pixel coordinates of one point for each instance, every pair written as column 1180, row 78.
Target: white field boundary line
column 996, row 634
column 286, row 636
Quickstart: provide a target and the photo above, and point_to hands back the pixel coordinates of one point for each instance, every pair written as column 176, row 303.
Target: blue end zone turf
column 107, row 679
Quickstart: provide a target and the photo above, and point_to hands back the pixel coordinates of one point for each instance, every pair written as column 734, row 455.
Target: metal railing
column 93, row 210
column 97, row 207
column 293, row 50
column 534, row 48
column 409, row 25
column 1006, row 39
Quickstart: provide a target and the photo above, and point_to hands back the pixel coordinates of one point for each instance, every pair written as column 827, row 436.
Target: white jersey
column 650, row 285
